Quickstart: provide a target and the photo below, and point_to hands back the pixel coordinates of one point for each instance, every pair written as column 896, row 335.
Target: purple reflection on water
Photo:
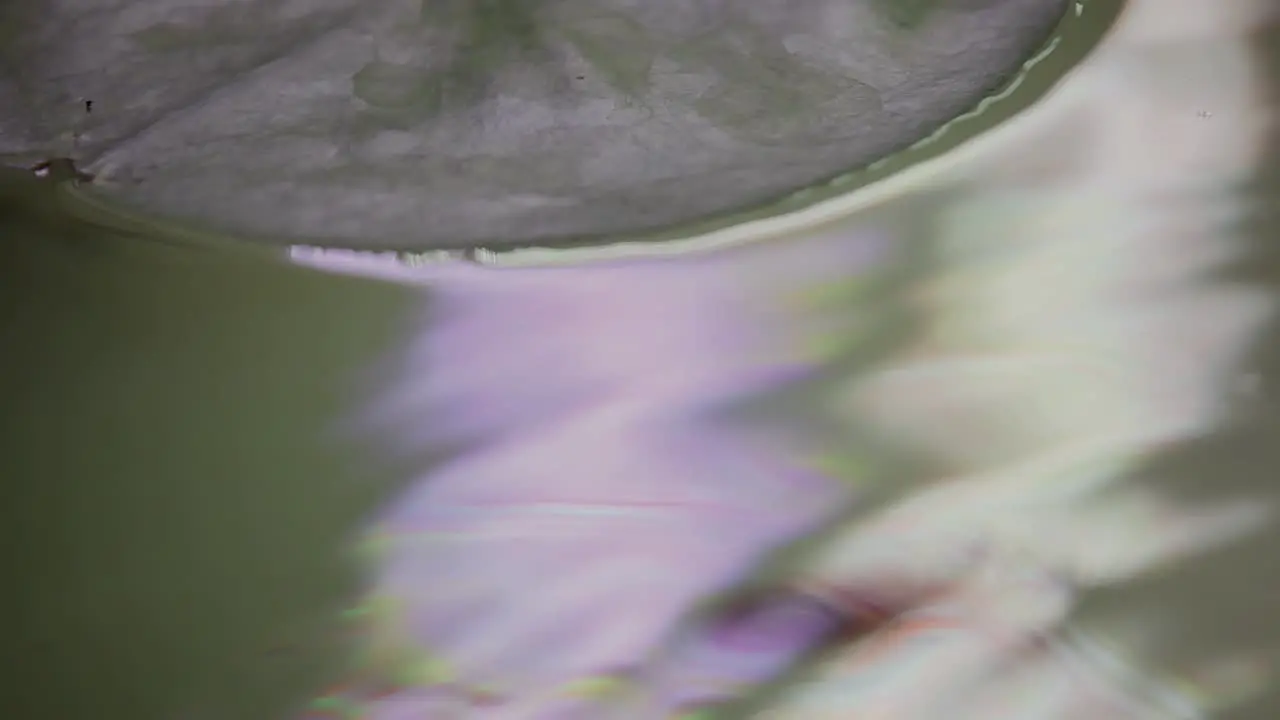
column 601, row 500
column 745, row 646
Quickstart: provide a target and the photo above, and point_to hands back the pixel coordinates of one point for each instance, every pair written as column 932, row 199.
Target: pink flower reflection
column 600, row 501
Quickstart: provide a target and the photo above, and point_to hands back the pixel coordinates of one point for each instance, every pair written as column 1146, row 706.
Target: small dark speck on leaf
column 88, row 106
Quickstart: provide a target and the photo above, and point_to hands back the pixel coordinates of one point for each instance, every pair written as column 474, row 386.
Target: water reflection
column 610, row 537
column 994, row 447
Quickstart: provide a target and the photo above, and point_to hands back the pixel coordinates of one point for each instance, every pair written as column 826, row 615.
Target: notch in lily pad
column 61, row 169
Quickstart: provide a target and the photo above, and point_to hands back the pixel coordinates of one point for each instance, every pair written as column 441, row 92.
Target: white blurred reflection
column 1045, row 313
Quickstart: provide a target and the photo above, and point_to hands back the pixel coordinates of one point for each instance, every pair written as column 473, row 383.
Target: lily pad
column 354, row 122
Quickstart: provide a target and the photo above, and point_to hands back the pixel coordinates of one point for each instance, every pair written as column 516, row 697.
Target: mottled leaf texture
column 908, row 13
column 452, row 123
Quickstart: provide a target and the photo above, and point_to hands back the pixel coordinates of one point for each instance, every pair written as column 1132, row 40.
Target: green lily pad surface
column 457, row 123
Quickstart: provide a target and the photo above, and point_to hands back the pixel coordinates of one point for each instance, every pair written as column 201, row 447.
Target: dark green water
column 177, row 512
